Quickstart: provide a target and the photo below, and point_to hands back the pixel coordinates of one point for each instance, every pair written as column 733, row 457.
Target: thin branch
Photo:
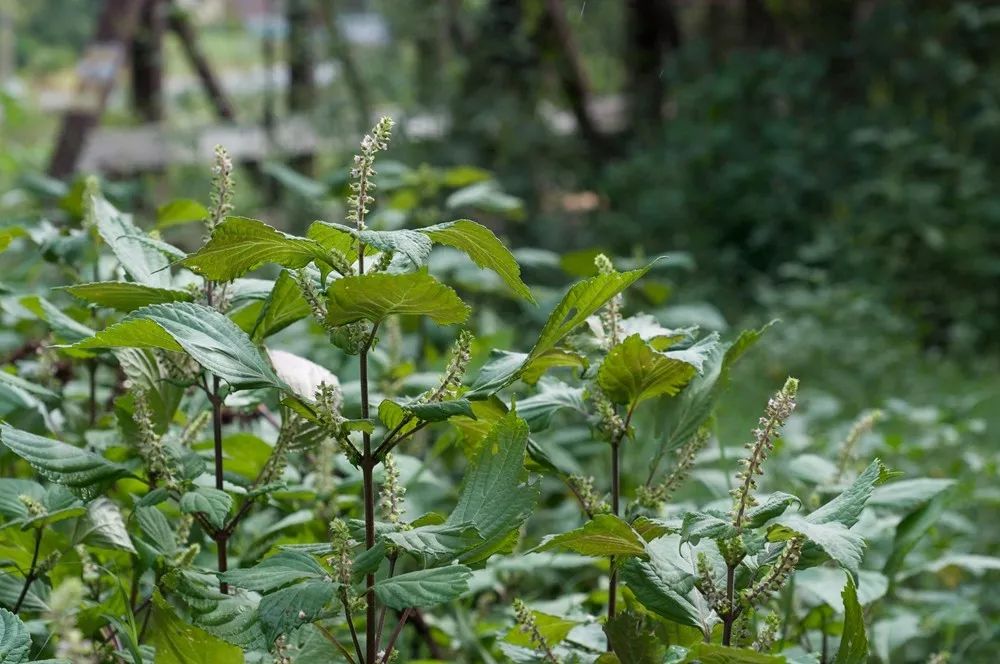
column 395, row 635
column 30, row 577
column 336, row 644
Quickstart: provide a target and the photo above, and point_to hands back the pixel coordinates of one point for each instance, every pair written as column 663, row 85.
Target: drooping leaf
column 84, row 472
column 213, row 503
column 423, row 588
column 210, row 338
column 484, row 248
column 15, row 642
column 853, row 641
column 378, row 295
column 633, row 372
column 604, row 535
column 126, row 295
column 411, row 244
column 177, row 642
column 239, row 245
column 105, row 526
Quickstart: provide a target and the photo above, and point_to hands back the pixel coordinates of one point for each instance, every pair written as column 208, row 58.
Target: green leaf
column 15, row 642
column 439, row 411
column 853, row 641
column 157, row 530
column 554, row 629
column 105, row 526
column 411, row 244
column 552, row 396
column 633, row 372
column 213, row 503
column 284, row 305
column 180, row 211
column 603, row 536
column 711, row 524
column 143, row 262
column 661, row 584
column 836, row 540
column 239, row 245
column 633, row 640
column 177, row 642
column 912, row 528
column 378, row 295
column 288, row 609
column 494, row 497
column 423, row 588
column 846, row 508
column 65, row 327
column 210, row 338
column 710, row 653
column 125, row 295
column 232, row 618
column 436, row 544
column 84, row 472
column 281, row 569
column 484, row 248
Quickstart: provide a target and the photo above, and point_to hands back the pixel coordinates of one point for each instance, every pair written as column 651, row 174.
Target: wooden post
column 97, row 73
column 301, row 68
column 181, row 25
column 147, row 62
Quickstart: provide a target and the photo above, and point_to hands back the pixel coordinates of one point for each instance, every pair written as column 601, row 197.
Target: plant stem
column 368, row 462
column 381, row 616
column 615, row 508
column 222, row 537
column 30, row 577
column 395, row 635
column 730, row 617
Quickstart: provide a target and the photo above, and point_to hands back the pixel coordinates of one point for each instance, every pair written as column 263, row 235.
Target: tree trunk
column 301, row 68
column 147, row 62
column 652, row 31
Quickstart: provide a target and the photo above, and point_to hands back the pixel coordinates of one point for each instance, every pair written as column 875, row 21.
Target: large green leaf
column 846, row 508
column 213, row 503
column 233, row 618
column 835, row 539
column 180, row 211
column 423, row 588
column 141, row 260
column 126, row 295
column 494, row 497
column 853, row 641
column 15, row 642
column 378, row 295
column 210, row 338
column 633, row 640
column 711, row 653
column 436, row 544
column 287, row 609
column 284, row 305
column 281, row 569
column 661, row 584
column 633, row 372
column 604, row 535
column 239, row 245
column 84, row 472
column 177, row 642
column 484, row 248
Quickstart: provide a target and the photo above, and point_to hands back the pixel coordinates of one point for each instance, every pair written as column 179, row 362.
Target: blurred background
column 834, row 164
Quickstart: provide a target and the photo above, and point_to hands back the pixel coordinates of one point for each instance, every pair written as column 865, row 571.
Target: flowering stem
column 731, row 614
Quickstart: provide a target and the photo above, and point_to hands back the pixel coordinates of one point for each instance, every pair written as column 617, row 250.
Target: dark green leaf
column 378, row 295
column 423, row 588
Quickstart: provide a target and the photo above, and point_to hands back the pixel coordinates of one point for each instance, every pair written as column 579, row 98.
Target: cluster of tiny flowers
column 384, row 261
column 311, row 295
column 352, row 338
column 768, row 634
column 193, row 430
column 329, row 401
column 222, row 188
column 151, row 447
column 742, row 630
column 861, row 426
column 610, row 423
column 706, row 585
column 72, row 645
column 779, row 408
column 180, row 367
column 655, row 496
column 363, row 172
column 92, row 189
column 611, row 313
column 391, row 496
column 778, row 574
column 461, row 353
column 340, row 542
column 91, row 573
column 527, row 624
column 274, row 468
column 184, row 529
column 35, row 508
column 592, row 502
column 281, row 650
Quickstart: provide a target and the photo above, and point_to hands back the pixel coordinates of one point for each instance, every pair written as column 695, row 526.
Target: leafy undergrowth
column 321, row 463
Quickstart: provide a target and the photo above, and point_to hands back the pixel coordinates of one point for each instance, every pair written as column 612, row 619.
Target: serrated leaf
column 180, row 211
column 853, row 641
column 846, row 508
column 439, row 411
column 125, row 295
column 661, row 585
column 84, row 472
column 286, row 610
column 213, row 340
column 494, row 497
column 213, row 503
column 232, row 618
column 105, row 526
column 836, row 539
column 483, row 248
column 144, row 263
column 436, row 544
column 239, row 245
column 411, row 244
column 603, row 536
column 378, row 295
column 633, row 372
column 711, row 653
column 423, row 588
column 281, row 569
column 709, row 524
column 177, row 642
column 15, row 642
column 283, row 306
column 156, row 529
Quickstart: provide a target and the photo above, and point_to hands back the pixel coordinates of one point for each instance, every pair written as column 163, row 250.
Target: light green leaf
column 853, row 641
column 143, row 262
column 177, row 642
column 661, row 585
column 494, row 497
column 180, row 211
column 411, row 244
column 281, row 569
column 907, row 494
column 436, row 544
column 284, row 305
column 484, row 248
column 710, row 653
column 846, row 508
column 239, row 245
column 836, row 540
column 554, row 629
column 210, row 338
column 84, row 472
column 710, row 524
column 65, row 327
column 378, row 295
column 604, row 535
column 552, row 396
column 157, row 530
column 15, row 642
column 286, row 610
column 423, row 588
column 126, row 295
column 213, row 503
column 633, row 372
